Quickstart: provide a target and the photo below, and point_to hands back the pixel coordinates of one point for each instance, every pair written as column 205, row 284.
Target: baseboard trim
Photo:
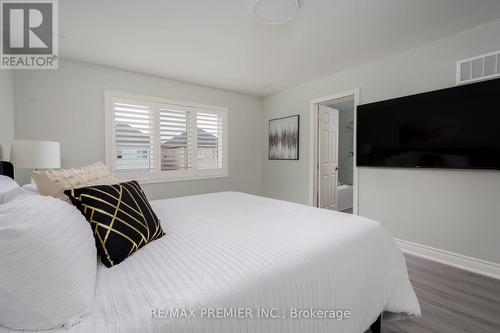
column 470, row 264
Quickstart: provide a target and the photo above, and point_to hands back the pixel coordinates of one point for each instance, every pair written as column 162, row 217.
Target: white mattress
column 237, row 250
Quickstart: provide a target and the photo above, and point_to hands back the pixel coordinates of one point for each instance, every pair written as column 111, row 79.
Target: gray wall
column 458, row 211
column 67, row 105
column 6, row 113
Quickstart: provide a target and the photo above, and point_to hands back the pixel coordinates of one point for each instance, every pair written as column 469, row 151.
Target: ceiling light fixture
column 276, row 11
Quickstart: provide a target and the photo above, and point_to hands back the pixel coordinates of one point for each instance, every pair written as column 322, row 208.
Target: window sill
column 176, row 179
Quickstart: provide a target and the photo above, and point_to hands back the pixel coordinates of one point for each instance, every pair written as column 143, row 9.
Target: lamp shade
column 28, row 154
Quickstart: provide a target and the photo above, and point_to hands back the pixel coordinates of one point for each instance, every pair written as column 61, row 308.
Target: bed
column 254, row 263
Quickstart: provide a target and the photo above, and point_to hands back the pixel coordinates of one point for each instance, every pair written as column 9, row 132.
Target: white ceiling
column 219, row 43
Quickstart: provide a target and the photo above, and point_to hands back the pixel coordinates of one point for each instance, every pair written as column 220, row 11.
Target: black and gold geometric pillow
column 120, row 216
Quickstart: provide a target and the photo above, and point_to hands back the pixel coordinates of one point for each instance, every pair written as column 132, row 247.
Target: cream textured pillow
column 54, row 182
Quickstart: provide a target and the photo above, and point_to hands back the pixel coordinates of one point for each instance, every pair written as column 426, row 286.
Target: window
column 154, row 140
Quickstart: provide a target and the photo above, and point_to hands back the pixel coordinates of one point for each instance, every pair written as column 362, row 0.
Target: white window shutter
column 133, row 136
column 153, row 140
column 210, row 135
column 176, row 138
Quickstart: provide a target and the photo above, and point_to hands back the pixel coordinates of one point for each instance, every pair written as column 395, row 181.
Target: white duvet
column 237, row 251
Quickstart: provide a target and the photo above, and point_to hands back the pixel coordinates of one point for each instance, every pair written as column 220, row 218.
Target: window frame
column 156, row 175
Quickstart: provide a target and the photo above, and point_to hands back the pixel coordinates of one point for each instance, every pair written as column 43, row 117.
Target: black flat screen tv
column 455, row 128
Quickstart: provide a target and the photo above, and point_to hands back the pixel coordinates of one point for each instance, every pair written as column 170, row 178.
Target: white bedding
column 236, row 250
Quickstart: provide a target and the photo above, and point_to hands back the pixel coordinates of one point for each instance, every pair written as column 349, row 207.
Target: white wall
column 6, row 113
column 67, row 105
column 458, row 211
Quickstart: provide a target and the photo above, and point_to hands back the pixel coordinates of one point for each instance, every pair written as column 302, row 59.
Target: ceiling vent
column 486, row 66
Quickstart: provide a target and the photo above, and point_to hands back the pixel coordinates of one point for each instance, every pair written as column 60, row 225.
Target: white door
column 328, row 126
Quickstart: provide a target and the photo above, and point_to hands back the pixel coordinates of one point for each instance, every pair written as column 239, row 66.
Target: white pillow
column 31, row 187
column 8, row 187
column 47, row 264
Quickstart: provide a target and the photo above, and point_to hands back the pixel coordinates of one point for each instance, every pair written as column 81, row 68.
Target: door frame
column 314, row 145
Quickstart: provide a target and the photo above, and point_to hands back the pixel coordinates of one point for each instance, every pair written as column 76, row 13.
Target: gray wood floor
column 452, row 301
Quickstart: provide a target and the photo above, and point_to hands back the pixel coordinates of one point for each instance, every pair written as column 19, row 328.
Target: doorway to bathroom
column 334, row 173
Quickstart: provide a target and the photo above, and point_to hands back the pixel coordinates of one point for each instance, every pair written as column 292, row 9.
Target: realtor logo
column 29, row 34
